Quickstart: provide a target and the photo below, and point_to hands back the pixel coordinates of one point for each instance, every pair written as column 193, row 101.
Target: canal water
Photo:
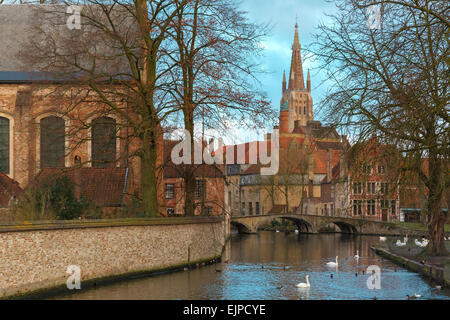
column 268, row 266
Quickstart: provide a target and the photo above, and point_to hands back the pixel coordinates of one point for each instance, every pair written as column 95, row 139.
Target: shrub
column 54, row 199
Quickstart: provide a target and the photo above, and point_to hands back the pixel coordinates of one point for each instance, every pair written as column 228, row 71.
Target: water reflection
column 269, row 265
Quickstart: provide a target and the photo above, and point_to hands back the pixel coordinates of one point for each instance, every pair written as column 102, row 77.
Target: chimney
column 268, row 137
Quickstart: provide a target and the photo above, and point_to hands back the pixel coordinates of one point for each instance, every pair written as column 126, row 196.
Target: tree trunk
column 437, row 219
column 189, row 176
column 149, row 180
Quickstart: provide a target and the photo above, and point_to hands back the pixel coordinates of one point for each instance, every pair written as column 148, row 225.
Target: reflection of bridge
column 312, row 223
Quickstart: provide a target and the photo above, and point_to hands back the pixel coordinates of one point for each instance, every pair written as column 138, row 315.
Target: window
column 384, row 188
column 384, row 204
column 304, row 109
column 370, row 187
column 103, row 142
column 256, row 208
column 4, row 145
column 200, row 189
column 326, row 209
column 381, row 169
column 366, row 168
column 229, row 198
column 357, row 188
column 243, row 208
column 357, row 207
column 170, row 191
column 250, row 208
column 370, row 207
column 52, row 146
column 393, row 207
column 207, row 211
column 332, row 209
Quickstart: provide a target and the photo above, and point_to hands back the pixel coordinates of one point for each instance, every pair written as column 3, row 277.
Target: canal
column 268, row 265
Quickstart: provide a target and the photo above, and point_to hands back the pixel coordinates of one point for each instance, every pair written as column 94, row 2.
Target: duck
column 332, row 263
column 304, row 285
column 382, row 239
column 357, row 255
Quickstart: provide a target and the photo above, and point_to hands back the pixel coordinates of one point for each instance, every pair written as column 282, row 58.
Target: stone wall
column 36, row 256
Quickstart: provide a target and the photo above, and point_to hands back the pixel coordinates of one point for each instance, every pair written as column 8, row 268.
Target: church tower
column 296, row 103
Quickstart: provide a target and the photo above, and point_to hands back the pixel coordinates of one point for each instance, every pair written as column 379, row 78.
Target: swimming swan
column 304, row 285
column 333, row 264
column 382, row 239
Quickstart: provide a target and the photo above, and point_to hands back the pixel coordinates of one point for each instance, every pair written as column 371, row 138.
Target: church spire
column 296, row 80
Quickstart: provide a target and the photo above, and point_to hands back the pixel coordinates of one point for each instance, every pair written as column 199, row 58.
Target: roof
column 31, row 28
column 8, row 189
column 102, row 186
column 199, row 170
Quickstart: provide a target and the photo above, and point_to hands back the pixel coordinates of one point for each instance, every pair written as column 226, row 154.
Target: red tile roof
column 8, row 189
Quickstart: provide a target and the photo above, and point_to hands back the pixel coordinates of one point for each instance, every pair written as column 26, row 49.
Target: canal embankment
column 35, row 256
column 436, row 269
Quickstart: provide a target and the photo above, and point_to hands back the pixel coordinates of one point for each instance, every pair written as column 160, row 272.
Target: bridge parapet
column 313, row 223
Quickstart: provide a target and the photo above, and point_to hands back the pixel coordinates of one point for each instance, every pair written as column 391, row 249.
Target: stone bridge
column 313, row 223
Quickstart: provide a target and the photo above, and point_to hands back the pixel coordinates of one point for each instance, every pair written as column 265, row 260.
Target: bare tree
column 213, row 47
column 114, row 65
column 392, row 81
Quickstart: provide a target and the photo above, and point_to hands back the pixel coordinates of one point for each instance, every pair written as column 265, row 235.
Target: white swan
column 382, row 239
column 333, row 264
column 400, row 244
column 296, row 231
column 304, row 285
column 357, row 255
column 422, row 244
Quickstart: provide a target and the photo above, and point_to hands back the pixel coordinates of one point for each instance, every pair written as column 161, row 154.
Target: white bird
column 295, row 231
column 304, row 285
column 417, row 295
column 383, row 239
column 356, row 255
column 400, row 244
column 277, row 231
column 422, row 244
column 333, row 264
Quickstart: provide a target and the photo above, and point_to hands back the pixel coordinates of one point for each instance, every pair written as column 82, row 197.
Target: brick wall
column 34, row 260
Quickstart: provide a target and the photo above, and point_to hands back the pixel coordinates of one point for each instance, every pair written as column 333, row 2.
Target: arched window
column 52, row 142
column 103, row 142
column 4, row 145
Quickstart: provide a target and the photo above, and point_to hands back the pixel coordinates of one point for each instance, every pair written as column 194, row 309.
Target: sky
column 282, row 15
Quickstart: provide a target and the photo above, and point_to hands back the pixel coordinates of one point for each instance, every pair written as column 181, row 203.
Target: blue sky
column 282, row 15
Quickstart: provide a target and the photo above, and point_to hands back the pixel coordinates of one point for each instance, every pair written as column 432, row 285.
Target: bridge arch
column 345, row 227
column 302, row 225
column 241, row 227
